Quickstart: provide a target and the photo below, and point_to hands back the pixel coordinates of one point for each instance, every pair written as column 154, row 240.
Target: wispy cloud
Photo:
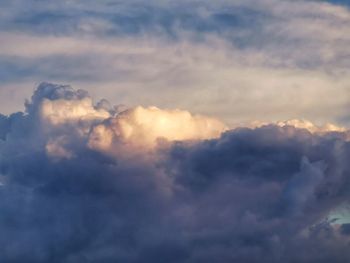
column 224, row 57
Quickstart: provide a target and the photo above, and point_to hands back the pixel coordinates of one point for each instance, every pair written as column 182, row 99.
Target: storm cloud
column 78, row 185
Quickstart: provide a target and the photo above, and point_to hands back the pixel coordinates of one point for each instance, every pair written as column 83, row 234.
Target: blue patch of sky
column 340, row 2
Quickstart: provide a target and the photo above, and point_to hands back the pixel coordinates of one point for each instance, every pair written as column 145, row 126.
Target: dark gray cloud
column 252, row 195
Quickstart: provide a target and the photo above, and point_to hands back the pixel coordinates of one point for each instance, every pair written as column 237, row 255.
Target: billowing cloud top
column 144, row 126
column 85, row 182
column 59, row 108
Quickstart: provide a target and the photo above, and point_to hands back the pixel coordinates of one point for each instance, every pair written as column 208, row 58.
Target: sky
column 240, row 61
column 174, row 131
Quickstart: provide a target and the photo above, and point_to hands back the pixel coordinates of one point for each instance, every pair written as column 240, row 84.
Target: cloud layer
column 239, row 60
column 89, row 182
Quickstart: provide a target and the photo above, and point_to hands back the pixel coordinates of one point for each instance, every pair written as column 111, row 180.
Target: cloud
column 85, row 181
column 144, row 126
column 66, row 116
column 303, row 124
column 241, row 60
column 62, row 111
column 247, row 195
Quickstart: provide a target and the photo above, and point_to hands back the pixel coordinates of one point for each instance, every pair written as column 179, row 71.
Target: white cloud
column 64, row 111
column 302, row 124
column 143, row 127
column 67, row 118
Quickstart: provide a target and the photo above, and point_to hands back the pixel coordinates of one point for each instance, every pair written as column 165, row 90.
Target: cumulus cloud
column 66, row 115
column 206, row 194
column 303, row 124
column 144, row 126
column 86, row 181
column 62, row 111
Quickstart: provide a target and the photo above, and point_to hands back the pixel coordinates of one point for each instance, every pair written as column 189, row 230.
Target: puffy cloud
column 63, row 111
column 248, row 195
column 303, row 124
column 142, row 127
column 55, row 148
column 59, row 104
column 67, row 116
